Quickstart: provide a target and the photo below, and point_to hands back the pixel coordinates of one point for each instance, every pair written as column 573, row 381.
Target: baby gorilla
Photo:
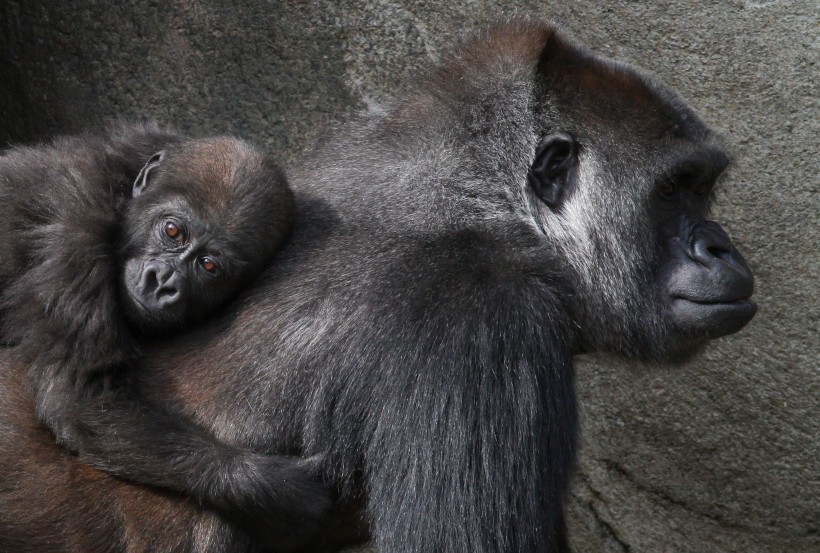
column 99, row 252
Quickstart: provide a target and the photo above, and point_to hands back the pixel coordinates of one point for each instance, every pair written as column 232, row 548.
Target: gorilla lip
column 713, row 318
column 742, row 304
column 738, row 301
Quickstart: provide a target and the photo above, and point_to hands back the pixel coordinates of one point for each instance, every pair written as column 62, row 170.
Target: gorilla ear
column 142, row 179
column 551, row 171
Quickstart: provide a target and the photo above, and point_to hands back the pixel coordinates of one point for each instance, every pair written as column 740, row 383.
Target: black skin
column 102, row 257
column 528, row 202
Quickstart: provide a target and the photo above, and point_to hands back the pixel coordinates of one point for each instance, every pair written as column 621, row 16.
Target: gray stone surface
column 718, row 455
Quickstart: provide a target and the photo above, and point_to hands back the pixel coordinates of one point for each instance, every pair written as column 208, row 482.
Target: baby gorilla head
column 205, row 217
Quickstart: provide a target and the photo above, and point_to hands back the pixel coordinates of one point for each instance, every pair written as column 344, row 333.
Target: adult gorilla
column 528, row 202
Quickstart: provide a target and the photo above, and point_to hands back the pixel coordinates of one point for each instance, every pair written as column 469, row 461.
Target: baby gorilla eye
column 174, row 232
column 209, row 265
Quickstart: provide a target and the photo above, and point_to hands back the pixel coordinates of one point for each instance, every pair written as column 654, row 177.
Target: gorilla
column 527, row 202
column 93, row 266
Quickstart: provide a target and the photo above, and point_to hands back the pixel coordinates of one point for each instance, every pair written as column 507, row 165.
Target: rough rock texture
column 719, row 455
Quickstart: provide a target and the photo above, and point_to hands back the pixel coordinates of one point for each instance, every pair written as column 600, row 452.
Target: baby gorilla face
column 205, row 218
column 180, row 275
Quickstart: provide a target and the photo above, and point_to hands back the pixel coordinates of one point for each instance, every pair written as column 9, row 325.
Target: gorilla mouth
column 712, row 318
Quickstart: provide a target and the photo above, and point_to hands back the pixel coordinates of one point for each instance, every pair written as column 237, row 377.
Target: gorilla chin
column 695, row 323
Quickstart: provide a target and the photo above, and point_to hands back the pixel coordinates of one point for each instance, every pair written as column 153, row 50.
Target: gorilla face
column 623, row 189
column 179, row 272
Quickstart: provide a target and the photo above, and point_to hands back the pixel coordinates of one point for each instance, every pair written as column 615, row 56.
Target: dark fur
column 67, row 224
column 419, row 327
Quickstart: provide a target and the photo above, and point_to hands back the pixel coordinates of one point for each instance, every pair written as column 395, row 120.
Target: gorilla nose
column 160, row 285
column 710, row 243
column 713, row 249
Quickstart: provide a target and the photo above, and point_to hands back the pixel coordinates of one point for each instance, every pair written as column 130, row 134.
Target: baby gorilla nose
column 160, row 286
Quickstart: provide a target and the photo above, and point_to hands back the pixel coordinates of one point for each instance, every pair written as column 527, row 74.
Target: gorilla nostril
column 711, row 244
column 149, row 281
column 167, row 294
column 721, row 252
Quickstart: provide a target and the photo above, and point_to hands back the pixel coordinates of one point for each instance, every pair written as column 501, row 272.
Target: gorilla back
column 528, row 202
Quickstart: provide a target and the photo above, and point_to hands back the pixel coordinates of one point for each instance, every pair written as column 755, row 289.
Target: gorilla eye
column 209, row 265
column 668, row 190
column 702, row 188
column 173, row 231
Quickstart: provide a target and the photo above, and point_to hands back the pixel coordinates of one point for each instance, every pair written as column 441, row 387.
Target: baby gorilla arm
column 276, row 498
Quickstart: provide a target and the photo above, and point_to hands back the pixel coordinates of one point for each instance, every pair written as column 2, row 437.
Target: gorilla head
column 620, row 186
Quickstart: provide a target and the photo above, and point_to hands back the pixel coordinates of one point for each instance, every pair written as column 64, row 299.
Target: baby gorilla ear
column 142, row 179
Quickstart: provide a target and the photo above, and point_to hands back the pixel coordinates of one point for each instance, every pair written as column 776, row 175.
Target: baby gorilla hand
column 65, row 431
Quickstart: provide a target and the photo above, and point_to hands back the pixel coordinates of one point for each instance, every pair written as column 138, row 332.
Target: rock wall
column 718, row 455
